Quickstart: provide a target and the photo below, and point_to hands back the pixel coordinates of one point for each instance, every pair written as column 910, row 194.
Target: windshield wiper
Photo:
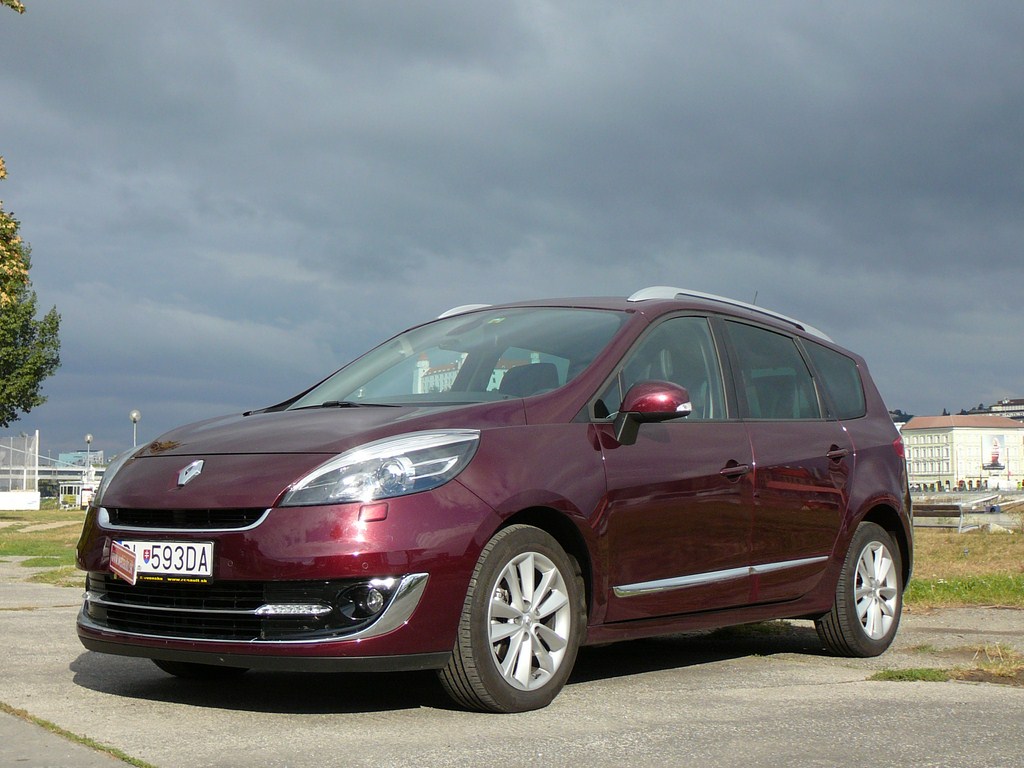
column 340, row 404
column 344, row 404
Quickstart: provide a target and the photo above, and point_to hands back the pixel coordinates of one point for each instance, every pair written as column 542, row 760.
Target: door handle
column 734, row 471
column 837, row 454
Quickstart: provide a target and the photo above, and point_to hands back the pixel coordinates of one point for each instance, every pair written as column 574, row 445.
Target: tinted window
column 841, row 379
column 772, row 379
column 680, row 350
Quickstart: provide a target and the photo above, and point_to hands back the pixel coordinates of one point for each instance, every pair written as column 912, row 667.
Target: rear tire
column 869, row 596
column 521, row 625
column 192, row 671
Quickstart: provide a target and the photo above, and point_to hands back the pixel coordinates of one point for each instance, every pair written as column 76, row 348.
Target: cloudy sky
column 228, row 200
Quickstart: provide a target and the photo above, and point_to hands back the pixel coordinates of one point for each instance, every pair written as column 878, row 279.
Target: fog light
column 293, row 609
column 373, row 601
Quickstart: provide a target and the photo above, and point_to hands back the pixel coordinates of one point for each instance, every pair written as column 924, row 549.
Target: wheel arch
column 889, row 519
column 560, row 527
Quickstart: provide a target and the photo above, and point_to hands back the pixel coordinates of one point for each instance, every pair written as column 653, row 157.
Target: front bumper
column 268, row 654
column 95, row 639
column 274, row 612
column 285, row 591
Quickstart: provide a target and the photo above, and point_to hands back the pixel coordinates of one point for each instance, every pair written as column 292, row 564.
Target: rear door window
column 772, row 379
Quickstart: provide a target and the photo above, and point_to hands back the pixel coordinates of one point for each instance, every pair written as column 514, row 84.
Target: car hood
column 249, row 461
column 323, row 430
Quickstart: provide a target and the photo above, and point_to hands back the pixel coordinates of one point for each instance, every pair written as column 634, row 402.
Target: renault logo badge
column 191, row 472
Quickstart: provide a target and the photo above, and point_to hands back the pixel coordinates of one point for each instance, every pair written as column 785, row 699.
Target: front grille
column 185, row 519
column 226, row 610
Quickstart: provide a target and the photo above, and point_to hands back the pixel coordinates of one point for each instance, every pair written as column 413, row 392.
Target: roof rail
column 460, row 309
column 668, row 292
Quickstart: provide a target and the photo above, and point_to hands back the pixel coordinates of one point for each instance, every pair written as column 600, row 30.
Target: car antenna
column 754, row 302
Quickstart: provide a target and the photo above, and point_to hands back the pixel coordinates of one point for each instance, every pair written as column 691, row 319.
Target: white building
column 440, row 378
column 964, row 452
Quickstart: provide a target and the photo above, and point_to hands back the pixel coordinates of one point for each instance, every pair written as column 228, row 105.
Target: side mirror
column 648, row 402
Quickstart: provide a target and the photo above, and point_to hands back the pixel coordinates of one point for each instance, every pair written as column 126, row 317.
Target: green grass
column 916, row 675
column 63, row 576
column 52, row 549
column 50, row 561
column 992, row 589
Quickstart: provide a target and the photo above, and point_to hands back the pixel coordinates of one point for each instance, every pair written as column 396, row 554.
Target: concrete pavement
column 24, row 744
column 750, row 697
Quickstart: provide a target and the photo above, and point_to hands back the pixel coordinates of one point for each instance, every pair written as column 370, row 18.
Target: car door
column 677, row 513
column 802, row 461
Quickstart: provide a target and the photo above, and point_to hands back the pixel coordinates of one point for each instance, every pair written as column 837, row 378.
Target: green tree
column 29, row 348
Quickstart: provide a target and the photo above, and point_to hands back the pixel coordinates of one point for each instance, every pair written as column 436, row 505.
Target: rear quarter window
column 841, row 379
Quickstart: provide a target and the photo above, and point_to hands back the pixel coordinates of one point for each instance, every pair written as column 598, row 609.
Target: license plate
column 184, row 561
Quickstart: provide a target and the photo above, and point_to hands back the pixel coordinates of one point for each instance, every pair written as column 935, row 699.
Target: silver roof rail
column 462, row 308
column 668, row 292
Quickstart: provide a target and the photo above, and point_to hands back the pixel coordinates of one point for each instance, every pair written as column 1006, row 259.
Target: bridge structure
column 24, row 475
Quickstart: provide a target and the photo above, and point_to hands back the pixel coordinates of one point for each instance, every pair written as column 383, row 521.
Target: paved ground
column 753, row 697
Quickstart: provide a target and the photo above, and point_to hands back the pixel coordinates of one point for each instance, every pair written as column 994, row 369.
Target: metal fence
column 19, row 463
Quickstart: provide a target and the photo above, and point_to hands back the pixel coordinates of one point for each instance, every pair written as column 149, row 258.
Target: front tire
column 522, row 622
column 869, row 596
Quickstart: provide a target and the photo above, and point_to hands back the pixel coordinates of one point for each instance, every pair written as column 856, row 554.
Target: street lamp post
column 135, row 415
column 87, row 474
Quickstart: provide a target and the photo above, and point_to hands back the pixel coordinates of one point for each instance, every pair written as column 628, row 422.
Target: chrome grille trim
column 103, row 518
column 96, row 598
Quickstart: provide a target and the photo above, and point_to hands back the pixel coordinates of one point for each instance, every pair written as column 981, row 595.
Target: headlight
column 395, row 466
column 110, row 471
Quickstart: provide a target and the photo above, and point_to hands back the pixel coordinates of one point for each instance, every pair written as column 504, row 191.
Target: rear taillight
column 897, row 445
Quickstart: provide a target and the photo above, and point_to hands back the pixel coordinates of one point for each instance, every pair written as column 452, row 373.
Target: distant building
column 81, row 458
column 1011, row 409
column 977, row 452
column 440, row 378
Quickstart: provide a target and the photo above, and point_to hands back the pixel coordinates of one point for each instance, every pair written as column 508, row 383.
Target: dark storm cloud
column 227, row 200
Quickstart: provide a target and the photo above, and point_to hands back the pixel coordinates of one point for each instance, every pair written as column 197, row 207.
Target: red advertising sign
column 122, row 562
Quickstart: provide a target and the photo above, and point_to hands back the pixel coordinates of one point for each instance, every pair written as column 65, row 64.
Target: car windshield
column 492, row 354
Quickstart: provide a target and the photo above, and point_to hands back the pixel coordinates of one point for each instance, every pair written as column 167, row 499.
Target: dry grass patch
column 999, row 664
column 974, row 568
column 941, row 554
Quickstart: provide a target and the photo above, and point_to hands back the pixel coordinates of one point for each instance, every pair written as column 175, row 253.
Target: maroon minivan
column 486, row 492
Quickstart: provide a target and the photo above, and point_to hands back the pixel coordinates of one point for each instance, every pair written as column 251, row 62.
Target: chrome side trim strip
column 710, row 577
column 769, row 567
column 680, row 582
column 399, row 610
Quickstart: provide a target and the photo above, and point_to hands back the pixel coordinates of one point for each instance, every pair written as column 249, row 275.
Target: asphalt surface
column 762, row 696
